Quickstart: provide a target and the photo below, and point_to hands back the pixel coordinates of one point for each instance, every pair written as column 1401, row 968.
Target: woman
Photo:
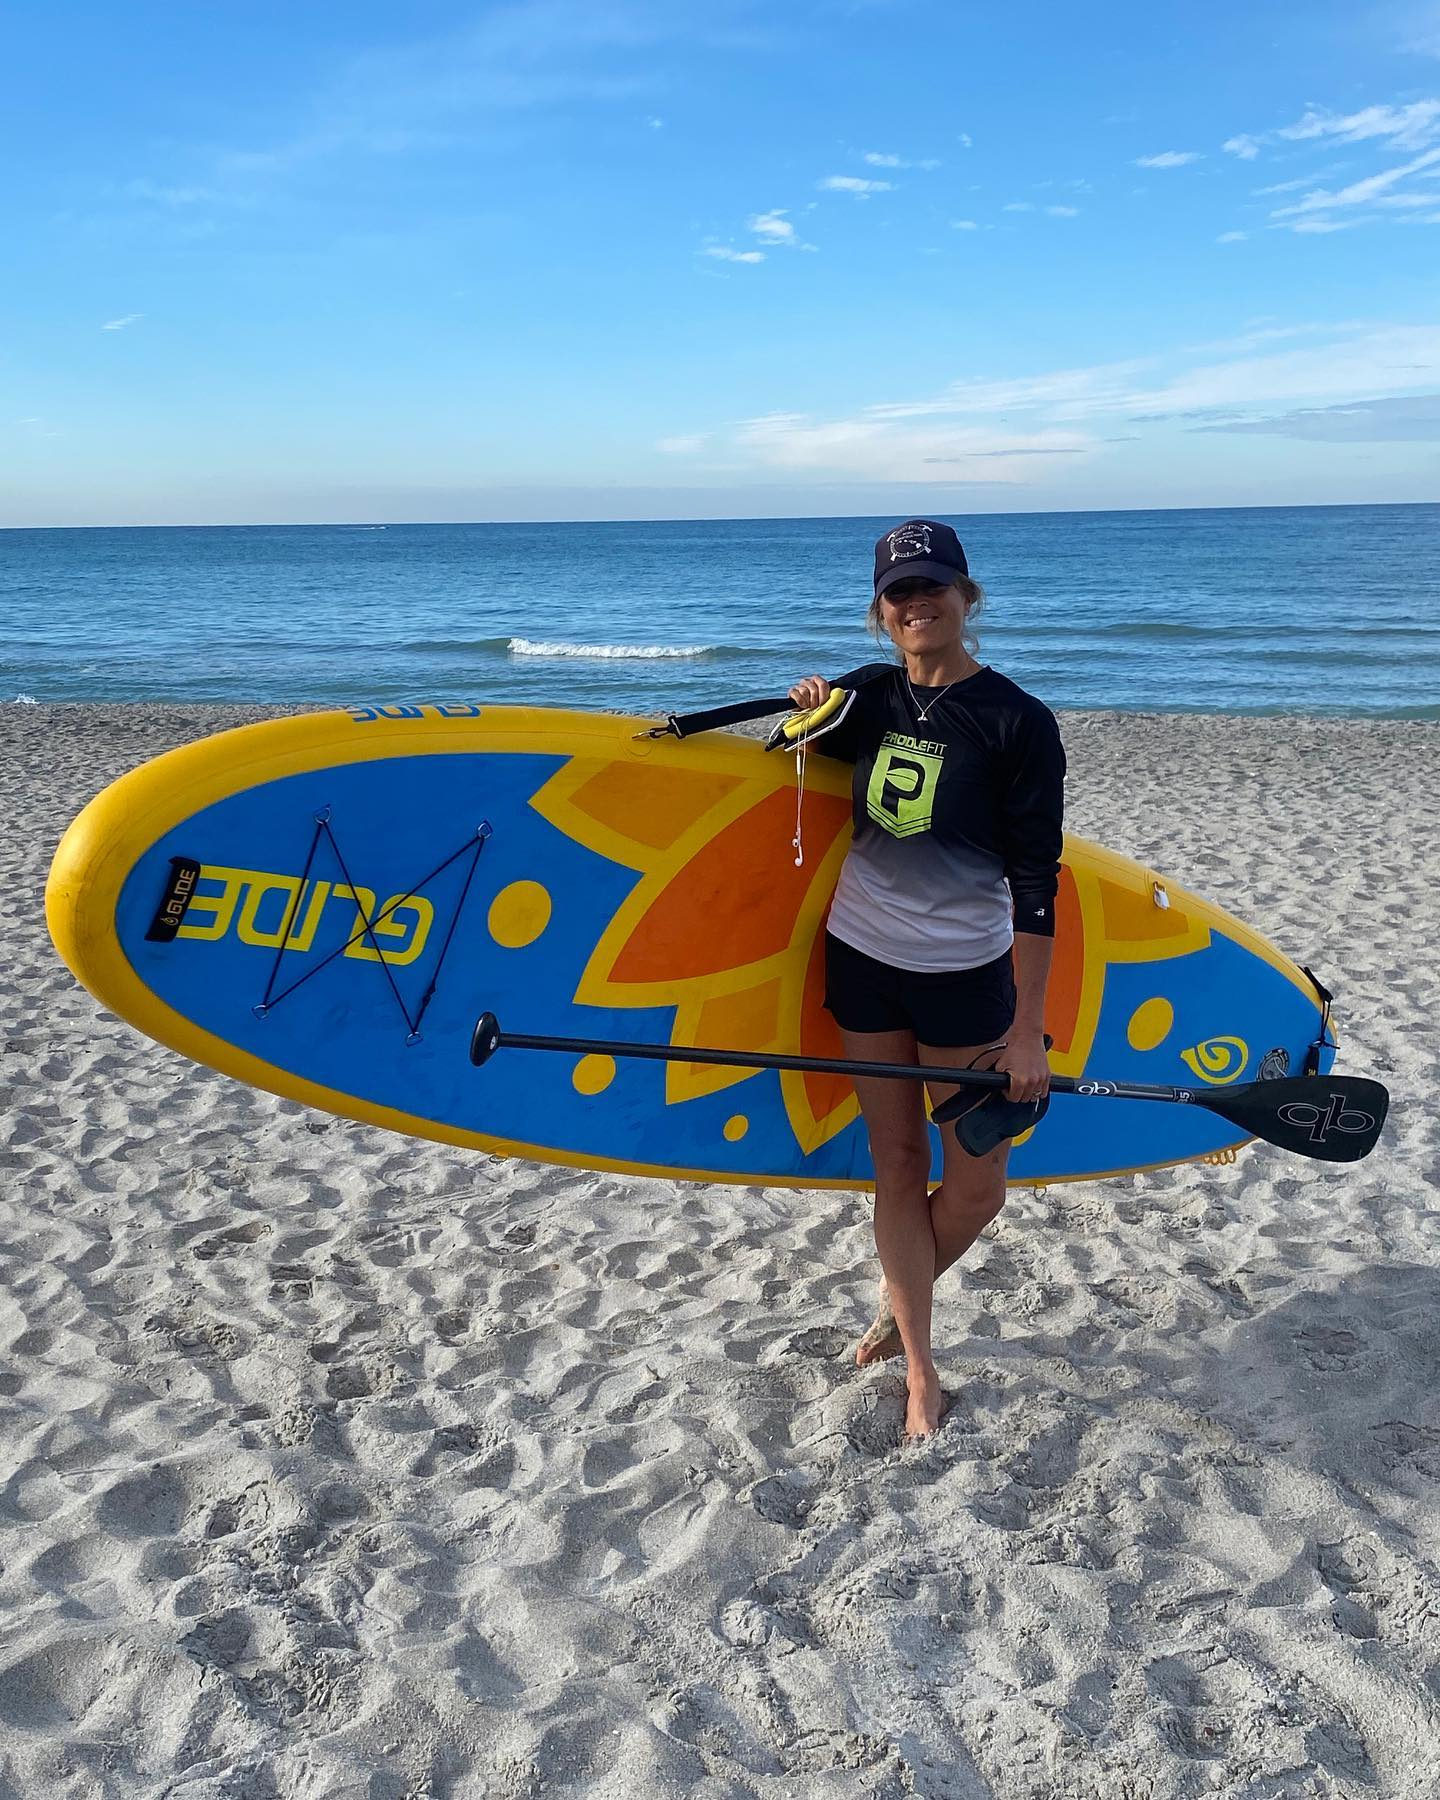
column 939, row 937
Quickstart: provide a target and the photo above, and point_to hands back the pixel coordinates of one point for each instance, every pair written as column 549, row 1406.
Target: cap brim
column 916, row 569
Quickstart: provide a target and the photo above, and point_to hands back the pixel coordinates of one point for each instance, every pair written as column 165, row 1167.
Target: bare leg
column 971, row 1193
column 900, row 1149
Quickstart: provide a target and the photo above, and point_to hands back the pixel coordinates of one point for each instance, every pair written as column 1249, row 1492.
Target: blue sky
column 635, row 258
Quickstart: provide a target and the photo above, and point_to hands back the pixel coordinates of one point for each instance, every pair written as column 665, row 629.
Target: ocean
column 1321, row 610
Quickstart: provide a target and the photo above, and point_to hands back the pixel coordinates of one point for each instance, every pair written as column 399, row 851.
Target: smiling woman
column 939, row 938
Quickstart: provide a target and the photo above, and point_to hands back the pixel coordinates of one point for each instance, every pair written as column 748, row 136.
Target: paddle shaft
column 1336, row 1118
column 992, row 1079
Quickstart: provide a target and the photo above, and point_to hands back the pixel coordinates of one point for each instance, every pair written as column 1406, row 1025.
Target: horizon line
column 705, row 519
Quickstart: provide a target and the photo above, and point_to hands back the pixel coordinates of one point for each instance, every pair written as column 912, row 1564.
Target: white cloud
column 1232, row 237
column 1372, row 190
column 963, row 225
column 1414, row 419
column 440, row 89
column 1063, row 212
column 1342, row 362
column 656, row 124
column 160, row 195
column 1168, row 159
column 1286, row 187
column 1018, row 206
column 880, row 159
column 726, row 253
column 870, row 448
column 1406, row 127
column 967, row 140
column 773, row 227
column 682, row 446
column 120, row 324
column 856, row 185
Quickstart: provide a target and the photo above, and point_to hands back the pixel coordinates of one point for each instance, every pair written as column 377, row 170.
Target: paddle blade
column 1336, row 1118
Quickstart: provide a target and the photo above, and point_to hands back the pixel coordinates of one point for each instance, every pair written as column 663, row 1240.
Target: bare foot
column 926, row 1407
column 882, row 1340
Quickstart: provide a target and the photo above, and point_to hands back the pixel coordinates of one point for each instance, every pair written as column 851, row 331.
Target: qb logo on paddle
column 1318, row 1122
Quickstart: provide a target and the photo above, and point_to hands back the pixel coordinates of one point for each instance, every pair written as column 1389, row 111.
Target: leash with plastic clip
column 795, row 734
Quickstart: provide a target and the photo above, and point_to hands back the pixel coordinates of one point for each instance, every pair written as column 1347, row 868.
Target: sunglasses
column 915, row 590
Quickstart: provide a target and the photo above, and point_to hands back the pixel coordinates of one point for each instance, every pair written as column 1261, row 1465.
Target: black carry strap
column 715, row 718
column 981, row 1125
column 1324, row 1041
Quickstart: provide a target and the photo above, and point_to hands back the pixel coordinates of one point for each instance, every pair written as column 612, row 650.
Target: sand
column 338, row 1464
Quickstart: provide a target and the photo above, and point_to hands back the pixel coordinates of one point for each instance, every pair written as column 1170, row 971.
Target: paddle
column 1335, row 1118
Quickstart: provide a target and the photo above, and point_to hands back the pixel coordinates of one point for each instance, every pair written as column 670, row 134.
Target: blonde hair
column 971, row 593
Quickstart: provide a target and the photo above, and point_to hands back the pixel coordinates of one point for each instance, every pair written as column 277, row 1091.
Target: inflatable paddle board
column 321, row 906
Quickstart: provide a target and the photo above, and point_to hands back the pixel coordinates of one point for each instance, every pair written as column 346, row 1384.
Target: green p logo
column 901, row 795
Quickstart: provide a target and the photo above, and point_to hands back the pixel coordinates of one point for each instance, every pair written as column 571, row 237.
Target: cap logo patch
column 909, row 540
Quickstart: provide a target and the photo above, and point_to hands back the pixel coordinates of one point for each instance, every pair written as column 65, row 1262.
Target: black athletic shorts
column 963, row 1006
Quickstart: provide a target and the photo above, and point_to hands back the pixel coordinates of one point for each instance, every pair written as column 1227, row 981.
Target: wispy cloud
column 1232, row 237
column 120, row 324
column 1413, row 126
column 881, row 159
column 447, row 89
column 856, row 185
column 728, row 253
column 158, row 194
column 1409, row 419
column 869, row 448
column 964, row 225
column 1408, row 127
column 1316, row 209
column 688, row 444
column 1348, row 382
column 1168, row 159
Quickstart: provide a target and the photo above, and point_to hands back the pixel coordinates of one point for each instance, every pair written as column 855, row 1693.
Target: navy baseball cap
column 918, row 550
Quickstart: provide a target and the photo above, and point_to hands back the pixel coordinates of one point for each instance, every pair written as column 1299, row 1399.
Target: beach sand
column 339, row 1464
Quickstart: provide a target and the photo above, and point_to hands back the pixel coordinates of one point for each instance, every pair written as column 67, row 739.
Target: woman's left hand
column 1024, row 1060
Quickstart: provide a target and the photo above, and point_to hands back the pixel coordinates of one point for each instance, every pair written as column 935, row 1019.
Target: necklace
column 923, row 712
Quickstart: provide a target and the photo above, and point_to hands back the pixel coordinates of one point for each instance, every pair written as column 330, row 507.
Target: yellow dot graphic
column 593, row 1074
column 1150, row 1023
column 736, row 1128
column 518, row 914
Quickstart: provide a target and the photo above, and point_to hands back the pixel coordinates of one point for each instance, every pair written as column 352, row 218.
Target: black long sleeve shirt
column 958, row 819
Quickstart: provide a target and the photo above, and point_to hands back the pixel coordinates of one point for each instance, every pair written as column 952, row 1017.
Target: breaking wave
column 518, row 646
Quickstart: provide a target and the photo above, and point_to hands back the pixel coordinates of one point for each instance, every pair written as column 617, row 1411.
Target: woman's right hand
column 810, row 691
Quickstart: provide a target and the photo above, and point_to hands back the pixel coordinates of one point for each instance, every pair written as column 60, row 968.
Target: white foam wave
column 25, row 700
column 604, row 652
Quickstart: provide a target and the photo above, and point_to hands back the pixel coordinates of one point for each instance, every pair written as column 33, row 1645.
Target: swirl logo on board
column 1218, row 1060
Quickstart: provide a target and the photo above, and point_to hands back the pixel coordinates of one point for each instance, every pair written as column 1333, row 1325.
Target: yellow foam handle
column 805, row 722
